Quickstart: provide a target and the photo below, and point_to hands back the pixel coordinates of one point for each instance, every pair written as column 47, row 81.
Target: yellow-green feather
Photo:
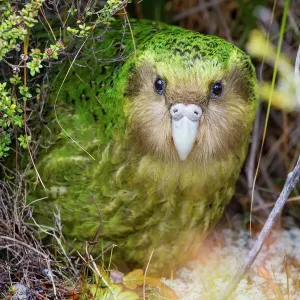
column 144, row 203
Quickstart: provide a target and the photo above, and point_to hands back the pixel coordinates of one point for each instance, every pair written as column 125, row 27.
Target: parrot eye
column 159, row 85
column 216, row 89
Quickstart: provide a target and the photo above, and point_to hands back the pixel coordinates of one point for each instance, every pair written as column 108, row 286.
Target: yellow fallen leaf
column 128, row 295
column 133, row 279
column 137, row 278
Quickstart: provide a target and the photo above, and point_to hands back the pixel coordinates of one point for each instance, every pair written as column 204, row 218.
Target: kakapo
column 151, row 133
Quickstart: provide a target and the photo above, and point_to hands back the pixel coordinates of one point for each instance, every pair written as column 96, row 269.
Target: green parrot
column 144, row 140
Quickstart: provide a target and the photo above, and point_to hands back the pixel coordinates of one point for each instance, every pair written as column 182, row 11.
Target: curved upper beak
column 185, row 124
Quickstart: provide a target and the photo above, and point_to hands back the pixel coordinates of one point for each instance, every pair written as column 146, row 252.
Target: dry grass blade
column 145, row 275
column 22, row 258
column 297, row 76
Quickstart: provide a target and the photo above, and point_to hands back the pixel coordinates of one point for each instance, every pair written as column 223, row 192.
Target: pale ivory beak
column 185, row 124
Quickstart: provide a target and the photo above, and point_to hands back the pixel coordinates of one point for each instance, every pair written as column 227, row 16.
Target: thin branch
column 289, row 185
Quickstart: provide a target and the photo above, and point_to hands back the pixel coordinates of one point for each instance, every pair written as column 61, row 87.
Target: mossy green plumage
column 146, row 196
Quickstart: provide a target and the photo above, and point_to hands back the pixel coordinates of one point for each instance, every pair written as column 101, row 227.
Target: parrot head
column 191, row 98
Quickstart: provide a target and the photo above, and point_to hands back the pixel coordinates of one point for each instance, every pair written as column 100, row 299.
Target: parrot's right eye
column 159, row 85
column 216, row 89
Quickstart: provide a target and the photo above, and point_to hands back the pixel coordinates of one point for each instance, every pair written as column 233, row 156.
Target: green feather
column 145, row 201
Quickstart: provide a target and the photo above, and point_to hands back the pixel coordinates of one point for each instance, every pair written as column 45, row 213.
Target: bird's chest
column 178, row 195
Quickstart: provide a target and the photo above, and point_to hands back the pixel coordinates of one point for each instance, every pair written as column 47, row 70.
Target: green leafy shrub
column 23, row 60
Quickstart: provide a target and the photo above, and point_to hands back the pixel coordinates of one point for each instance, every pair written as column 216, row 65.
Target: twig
column 24, row 245
column 58, row 240
column 45, row 256
column 290, row 183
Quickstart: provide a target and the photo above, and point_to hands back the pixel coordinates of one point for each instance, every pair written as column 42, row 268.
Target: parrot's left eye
column 216, row 89
column 159, row 85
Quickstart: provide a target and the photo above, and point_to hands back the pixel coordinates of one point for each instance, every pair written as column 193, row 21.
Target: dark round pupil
column 159, row 85
column 217, row 89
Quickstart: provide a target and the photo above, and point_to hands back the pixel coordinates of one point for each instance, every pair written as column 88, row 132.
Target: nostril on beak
column 177, row 111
